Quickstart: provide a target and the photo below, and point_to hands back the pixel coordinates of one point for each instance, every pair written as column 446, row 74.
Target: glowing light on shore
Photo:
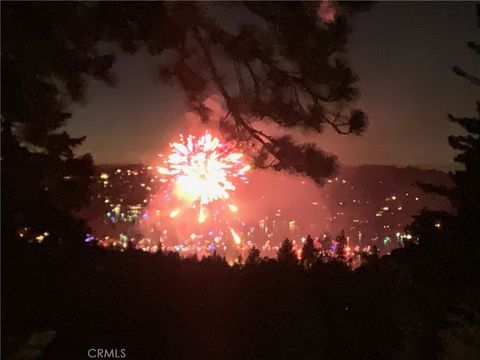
column 174, row 213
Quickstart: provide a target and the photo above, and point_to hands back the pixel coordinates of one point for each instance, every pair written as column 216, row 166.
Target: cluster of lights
column 198, row 177
column 27, row 234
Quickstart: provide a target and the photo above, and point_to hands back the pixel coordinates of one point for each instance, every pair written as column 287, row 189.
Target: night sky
column 403, row 53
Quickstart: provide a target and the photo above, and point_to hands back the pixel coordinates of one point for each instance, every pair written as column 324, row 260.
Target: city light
column 164, row 214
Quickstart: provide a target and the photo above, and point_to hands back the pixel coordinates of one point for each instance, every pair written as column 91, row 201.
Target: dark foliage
column 464, row 195
column 154, row 305
column 309, row 253
column 341, row 243
column 278, row 63
column 286, row 254
column 449, row 243
column 47, row 52
column 253, row 257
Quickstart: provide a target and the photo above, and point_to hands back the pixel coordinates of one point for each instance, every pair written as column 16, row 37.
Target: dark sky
column 402, row 51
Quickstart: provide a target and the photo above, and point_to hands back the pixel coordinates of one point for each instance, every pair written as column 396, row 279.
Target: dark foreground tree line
column 159, row 306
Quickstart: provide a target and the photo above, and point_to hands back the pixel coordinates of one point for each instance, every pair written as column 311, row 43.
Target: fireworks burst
column 199, row 214
column 203, row 171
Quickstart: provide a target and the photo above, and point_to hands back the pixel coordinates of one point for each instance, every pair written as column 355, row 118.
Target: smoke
column 326, row 11
column 189, row 123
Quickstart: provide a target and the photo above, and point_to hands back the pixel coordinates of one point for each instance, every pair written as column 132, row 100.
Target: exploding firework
column 203, row 171
column 195, row 211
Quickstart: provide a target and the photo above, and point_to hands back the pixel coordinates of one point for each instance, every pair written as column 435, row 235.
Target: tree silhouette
column 253, row 257
column 465, row 192
column 286, row 254
column 341, row 243
column 309, row 253
column 370, row 258
column 47, row 52
column 281, row 65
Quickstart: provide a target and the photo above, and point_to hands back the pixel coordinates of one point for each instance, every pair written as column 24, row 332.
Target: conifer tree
column 309, row 253
column 341, row 243
column 464, row 195
column 253, row 257
column 286, row 254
